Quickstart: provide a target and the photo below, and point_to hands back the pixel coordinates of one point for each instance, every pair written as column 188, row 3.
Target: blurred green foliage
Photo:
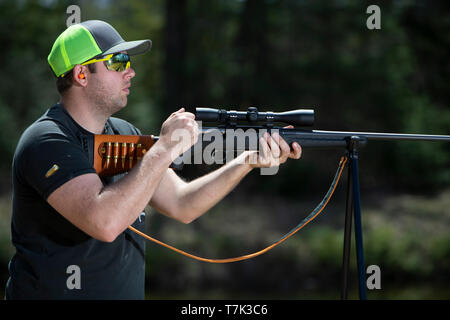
column 277, row 55
column 406, row 236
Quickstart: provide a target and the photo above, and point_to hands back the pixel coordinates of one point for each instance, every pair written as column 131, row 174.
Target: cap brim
column 132, row 47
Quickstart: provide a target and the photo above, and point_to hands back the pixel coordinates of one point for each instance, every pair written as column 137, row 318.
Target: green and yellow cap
column 84, row 41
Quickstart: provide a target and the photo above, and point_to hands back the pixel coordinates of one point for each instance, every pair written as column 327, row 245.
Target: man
column 69, row 226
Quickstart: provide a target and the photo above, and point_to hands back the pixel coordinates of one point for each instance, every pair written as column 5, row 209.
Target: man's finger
column 176, row 112
column 189, row 114
column 297, row 153
column 274, row 148
column 264, row 151
column 285, row 149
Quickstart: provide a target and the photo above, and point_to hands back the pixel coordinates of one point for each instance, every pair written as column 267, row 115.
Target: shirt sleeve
column 52, row 160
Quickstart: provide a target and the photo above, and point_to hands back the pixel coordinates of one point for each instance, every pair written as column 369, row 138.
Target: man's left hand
column 273, row 151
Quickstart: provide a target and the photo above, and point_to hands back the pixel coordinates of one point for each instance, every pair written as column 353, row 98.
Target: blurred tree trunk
column 174, row 65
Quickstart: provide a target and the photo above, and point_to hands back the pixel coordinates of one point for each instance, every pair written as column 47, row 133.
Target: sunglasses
column 114, row 62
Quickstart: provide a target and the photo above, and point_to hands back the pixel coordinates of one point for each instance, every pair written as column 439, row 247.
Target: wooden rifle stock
column 115, row 154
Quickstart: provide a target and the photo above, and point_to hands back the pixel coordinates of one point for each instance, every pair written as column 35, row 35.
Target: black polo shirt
column 54, row 259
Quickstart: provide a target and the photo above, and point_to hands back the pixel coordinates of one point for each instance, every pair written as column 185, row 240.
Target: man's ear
column 80, row 75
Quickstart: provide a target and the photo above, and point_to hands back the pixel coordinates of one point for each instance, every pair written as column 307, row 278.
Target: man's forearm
column 124, row 200
column 200, row 195
column 104, row 212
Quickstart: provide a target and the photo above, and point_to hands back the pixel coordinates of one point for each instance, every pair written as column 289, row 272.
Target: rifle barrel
column 313, row 138
column 388, row 136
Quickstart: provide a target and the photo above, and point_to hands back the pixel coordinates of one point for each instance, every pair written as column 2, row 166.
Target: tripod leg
column 358, row 229
column 347, row 235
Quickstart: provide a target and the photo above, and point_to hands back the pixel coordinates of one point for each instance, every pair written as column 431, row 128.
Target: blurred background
column 277, row 55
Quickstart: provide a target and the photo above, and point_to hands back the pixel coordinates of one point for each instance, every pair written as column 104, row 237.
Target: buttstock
column 115, row 154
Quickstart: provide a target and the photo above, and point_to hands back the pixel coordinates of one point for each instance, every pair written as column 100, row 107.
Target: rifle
column 240, row 130
column 236, row 131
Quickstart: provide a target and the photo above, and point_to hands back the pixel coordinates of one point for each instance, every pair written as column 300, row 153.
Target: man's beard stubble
column 104, row 102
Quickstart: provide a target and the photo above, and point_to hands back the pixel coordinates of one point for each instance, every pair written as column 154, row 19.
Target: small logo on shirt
column 52, row 170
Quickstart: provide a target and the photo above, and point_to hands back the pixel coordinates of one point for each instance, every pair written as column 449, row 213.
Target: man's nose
column 130, row 73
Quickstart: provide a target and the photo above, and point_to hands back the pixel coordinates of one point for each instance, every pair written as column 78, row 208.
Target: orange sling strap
column 304, row 222
column 114, row 154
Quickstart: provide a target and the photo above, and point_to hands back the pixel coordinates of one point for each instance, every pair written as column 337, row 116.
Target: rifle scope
column 299, row 117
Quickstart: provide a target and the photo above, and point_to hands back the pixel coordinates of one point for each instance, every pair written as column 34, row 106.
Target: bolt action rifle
column 114, row 154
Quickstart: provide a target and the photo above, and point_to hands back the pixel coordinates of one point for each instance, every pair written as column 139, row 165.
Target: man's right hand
column 179, row 133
